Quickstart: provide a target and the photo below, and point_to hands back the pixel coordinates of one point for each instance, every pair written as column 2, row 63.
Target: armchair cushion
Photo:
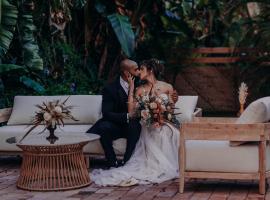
column 218, row 156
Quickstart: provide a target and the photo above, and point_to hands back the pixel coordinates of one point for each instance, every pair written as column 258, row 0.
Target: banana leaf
column 124, row 33
column 8, row 67
column 32, row 84
column 30, row 48
column 8, row 21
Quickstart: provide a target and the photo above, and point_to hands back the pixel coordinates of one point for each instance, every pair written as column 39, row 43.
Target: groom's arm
column 108, row 108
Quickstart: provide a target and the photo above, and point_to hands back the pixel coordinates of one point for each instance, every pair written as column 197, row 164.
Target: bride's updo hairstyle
column 155, row 66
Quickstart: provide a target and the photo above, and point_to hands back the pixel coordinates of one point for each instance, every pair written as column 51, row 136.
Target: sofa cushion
column 93, row 147
column 256, row 112
column 186, row 106
column 218, row 156
column 87, row 108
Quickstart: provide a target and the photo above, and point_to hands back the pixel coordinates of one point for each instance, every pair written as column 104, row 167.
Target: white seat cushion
column 218, row 156
column 87, row 108
column 186, row 106
column 93, row 147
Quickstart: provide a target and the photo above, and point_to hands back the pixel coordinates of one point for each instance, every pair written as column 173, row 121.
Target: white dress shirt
column 124, row 85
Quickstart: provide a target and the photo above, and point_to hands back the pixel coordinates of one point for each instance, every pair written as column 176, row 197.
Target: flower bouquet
column 156, row 110
column 51, row 114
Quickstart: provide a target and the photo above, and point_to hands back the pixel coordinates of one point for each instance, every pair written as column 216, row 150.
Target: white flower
column 169, row 116
column 153, row 105
column 47, row 116
column 58, row 109
column 164, row 97
column 145, row 98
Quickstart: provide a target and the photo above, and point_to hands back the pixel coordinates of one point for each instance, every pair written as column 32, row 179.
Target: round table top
column 65, row 138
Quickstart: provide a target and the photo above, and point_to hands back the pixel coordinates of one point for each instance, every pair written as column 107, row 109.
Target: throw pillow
column 186, row 106
column 256, row 112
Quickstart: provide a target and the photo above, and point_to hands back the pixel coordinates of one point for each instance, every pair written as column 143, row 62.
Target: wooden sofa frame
column 6, row 112
column 210, row 128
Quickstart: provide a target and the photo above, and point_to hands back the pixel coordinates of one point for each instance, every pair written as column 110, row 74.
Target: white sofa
column 87, row 109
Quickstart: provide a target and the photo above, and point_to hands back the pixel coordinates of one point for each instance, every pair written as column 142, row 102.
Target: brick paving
column 202, row 189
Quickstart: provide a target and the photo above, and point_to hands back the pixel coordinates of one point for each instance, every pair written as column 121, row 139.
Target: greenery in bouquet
column 156, row 110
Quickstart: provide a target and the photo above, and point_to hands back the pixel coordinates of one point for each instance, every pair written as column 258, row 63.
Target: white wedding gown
column 155, row 159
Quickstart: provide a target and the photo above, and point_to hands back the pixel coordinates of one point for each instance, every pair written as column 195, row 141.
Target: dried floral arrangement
column 243, row 93
column 51, row 114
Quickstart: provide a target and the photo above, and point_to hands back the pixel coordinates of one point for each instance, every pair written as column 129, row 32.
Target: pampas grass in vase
column 243, row 93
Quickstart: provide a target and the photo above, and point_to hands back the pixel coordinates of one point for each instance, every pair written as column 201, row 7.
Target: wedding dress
column 155, row 159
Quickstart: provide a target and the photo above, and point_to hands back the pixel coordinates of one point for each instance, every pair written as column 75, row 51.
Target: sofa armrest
column 215, row 129
column 5, row 114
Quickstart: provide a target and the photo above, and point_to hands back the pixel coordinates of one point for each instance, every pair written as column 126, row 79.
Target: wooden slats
column 214, row 60
column 218, row 55
column 215, row 119
column 218, row 50
column 220, row 135
column 223, row 175
column 225, row 131
column 222, row 50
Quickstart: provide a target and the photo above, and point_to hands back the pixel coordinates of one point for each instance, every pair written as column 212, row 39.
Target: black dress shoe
column 114, row 164
column 121, row 163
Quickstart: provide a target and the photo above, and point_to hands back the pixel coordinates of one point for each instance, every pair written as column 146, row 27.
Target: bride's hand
column 130, row 79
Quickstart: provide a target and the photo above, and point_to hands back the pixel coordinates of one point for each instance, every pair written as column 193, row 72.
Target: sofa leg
column 87, row 161
column 181, row 184
column 262, row 186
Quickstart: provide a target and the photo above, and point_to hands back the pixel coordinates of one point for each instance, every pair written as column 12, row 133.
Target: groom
column 116, row 122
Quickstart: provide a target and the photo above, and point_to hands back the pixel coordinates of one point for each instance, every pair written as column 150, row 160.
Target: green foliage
column 30, row 49
column 4, row 68
column 9, row 15
column 124, row 33
column 30, row 83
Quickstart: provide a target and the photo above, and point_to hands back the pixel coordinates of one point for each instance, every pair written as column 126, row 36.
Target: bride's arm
column 171, row 94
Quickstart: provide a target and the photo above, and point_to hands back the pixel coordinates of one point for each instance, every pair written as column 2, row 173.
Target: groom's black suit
column 114, row 123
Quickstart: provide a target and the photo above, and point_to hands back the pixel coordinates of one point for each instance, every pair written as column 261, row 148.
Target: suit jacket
column 114, row 103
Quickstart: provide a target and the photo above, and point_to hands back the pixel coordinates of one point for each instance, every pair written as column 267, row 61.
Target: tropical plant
column 8, row 21
column 16, row 31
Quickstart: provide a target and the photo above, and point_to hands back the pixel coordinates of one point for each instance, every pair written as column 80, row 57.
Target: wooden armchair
column 224, row 129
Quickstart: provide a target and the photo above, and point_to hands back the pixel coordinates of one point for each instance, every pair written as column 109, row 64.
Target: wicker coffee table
column 58, row 166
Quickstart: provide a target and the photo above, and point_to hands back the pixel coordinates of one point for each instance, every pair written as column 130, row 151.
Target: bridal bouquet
column 156, row 110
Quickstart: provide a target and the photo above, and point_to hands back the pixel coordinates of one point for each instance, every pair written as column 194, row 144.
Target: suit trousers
column 110, row 131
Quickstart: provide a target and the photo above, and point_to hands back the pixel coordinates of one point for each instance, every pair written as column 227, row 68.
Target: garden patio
column 56, row 58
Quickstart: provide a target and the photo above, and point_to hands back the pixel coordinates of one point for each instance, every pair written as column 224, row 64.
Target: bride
column 155, row 158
